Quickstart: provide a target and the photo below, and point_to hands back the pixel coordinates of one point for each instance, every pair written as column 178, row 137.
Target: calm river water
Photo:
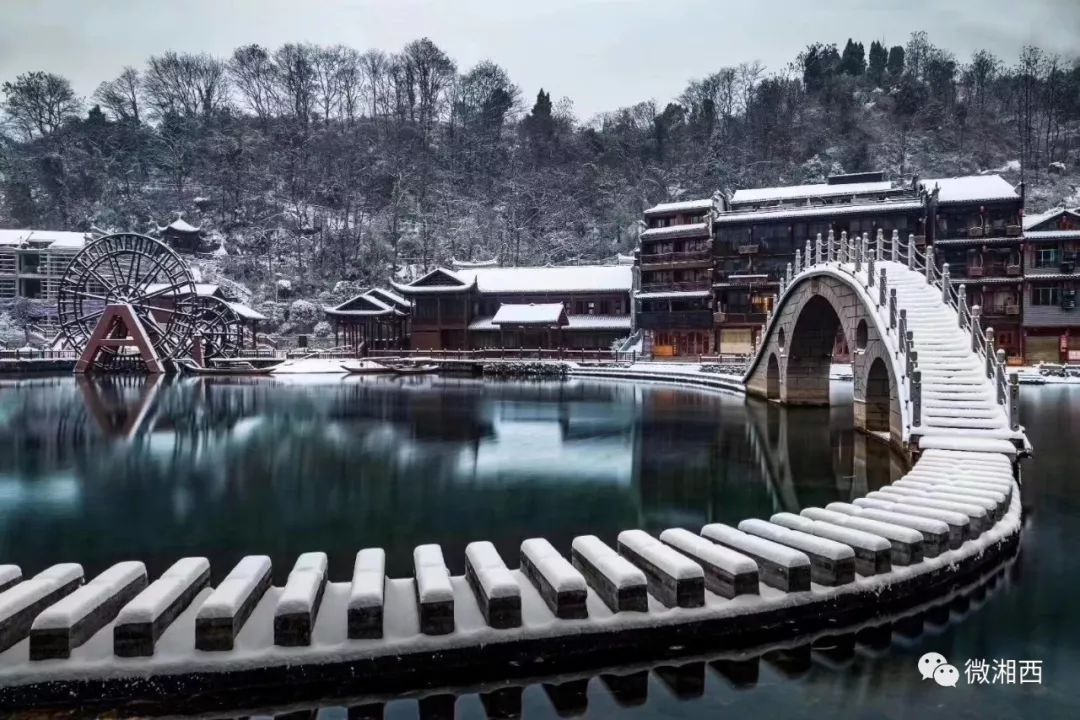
column 130, row 468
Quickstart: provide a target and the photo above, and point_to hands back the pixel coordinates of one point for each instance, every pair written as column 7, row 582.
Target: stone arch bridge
column 926, row 372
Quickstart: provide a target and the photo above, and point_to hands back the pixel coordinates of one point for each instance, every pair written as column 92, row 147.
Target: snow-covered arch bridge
column 925, row 369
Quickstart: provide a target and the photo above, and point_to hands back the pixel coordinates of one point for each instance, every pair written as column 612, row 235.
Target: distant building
column 573, row 307
column 975, row 225
column 181, row 236
column 376, row 319
column 1051, row 322
column 33, row 262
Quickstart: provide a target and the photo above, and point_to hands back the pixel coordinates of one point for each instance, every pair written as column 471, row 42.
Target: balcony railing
column 676, row 257
column 739, row 316
column 672, row 286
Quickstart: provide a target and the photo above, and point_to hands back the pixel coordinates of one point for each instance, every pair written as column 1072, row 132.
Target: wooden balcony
column 675, row 319
column 672, row 286
column 739, row 316
column 686, row 258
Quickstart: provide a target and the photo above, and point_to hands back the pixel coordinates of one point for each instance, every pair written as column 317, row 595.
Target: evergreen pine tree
column 878, row 59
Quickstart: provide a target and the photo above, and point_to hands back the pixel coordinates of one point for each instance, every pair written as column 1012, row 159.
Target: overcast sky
column 603, row 54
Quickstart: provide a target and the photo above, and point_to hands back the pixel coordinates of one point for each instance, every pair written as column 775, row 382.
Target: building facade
column 33, row 262
column 576, row 307
column 972, row 223
column 675, row 263
column 1051, row 323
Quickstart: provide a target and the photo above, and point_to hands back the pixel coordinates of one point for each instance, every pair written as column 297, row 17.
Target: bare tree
column 186, row 85
column 255, row 76
column 122, row 96
column 296, row 79
column 38, row 103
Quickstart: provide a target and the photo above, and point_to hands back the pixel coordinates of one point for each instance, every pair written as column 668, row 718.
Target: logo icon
column 929, row 662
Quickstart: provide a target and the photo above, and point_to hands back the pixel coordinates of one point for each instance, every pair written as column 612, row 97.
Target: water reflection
column 106, row 469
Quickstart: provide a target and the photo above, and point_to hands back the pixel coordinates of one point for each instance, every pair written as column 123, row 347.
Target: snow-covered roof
column 246, row 312
column 674, row 231
column 530, row 314
column 1033, row 221
column 570, row 278
column 179, row 225
column 56, row 239
column 818, row 190
column 1052, row 235
column 681, row 206
column 674, row 294
column 393, row 297
column 791, row 213
column 978, row 241
column 970, row 188
column 201, row 289
column 459, row 264
column 576, row 322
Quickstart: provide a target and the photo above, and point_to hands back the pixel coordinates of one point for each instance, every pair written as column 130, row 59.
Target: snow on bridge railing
column 855, row 252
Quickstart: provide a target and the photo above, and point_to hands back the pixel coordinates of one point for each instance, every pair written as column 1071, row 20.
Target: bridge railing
column 860, row 256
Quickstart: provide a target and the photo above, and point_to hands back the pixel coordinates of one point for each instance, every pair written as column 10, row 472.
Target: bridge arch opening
column 772, row 378
column 810, row 353
column 877, row 397
column 862, row 335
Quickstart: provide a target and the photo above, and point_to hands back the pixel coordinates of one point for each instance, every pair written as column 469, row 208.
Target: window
column 1046, row 257
column 1047, row 295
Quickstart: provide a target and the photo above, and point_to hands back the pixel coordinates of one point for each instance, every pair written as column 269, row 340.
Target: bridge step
column 935, row 533
column 959, row 524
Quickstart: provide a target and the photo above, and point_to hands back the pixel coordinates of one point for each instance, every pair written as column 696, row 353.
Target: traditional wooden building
column 1051, row 322
column 573, row 307
column 181, row 236
column 676, row 267
column 376, row 319
column 975, row 226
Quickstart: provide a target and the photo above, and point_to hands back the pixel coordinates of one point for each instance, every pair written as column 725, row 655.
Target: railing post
column 817, row 250
column 930, row 265
column 832, row 241
column 860, row 250
column 1014, row 401
column 870, row 257
column 912, row 357
column 961, row 304
column 892, row 308
column 990, row 353
column 976, row 311
column 783, row 284
column 1000, row 377
column 903, row 331
column 788, row 275
column 916, row 398
column 911, row 250
column 895, row 249
column 945, row 283
column 843, row 247
column 879, row 243
column 806, row 254
column 798, row 261
column 882, row 283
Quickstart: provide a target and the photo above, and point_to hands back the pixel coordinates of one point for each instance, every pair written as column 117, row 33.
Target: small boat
column 422, row 369
column 373, row 368
column 241, row 368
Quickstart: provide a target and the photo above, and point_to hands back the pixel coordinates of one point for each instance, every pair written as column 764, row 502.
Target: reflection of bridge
column 925, row 375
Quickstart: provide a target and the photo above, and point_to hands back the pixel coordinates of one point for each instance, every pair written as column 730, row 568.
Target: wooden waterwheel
column 133, row 270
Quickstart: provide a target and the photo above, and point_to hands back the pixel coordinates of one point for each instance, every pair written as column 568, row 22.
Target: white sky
column 603, row 54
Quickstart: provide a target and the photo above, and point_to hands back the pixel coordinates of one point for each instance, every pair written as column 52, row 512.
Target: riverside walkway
column 175, row 639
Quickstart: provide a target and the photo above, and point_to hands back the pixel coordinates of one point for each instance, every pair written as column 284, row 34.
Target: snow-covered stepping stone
column 228, row 607
column 434, row 593
column 981, row 518
column 559, row 583
column 20, row 604
column 779, row 566
column 906, row 544
column 614, row 579
column 935, row 533
column 831, row 562
column 727, row 573
column 999, row 499
column 75, row 618
column 140, row 623
column 298, row 605
column 960, row 528
column 496, row 591
column 367, row 595
column 673, row 579
column 9, row 575
column 871, row 551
